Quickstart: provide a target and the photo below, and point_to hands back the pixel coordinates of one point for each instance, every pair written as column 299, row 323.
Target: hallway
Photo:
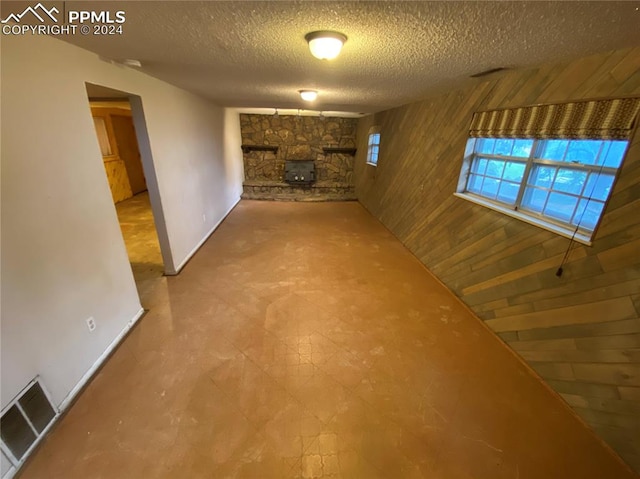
column 303, row 340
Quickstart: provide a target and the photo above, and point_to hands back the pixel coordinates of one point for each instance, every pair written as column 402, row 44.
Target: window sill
column 372, row 164
column 580, row 238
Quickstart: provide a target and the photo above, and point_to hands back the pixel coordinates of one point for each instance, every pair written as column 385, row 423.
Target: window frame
column 522, row 212
column 371, row 145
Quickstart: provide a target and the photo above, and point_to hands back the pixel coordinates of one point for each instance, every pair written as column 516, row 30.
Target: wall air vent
column 488, row 72
column 24, row 422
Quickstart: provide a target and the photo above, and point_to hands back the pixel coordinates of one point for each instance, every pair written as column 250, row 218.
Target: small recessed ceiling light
column 308, row 95
column 325, row 45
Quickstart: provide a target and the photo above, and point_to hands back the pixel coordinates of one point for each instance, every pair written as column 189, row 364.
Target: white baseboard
column 89, row 374
column 199, row 245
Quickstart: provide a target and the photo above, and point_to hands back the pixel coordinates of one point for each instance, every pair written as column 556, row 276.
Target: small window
column 373, row 149
column 562, row 185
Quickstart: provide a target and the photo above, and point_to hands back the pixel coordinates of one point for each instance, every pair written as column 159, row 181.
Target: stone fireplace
column 276, row 148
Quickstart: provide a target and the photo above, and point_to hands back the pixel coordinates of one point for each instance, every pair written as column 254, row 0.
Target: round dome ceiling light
column 325, row 45
column 308, row 95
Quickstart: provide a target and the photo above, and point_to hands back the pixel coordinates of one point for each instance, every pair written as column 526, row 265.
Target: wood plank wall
column 114, row 165
column 580, row 332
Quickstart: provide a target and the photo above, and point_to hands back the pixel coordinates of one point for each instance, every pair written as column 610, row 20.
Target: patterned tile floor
column 138, row 229
column 303, row 340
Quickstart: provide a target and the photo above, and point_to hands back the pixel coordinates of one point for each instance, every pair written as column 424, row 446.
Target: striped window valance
column 596, row 119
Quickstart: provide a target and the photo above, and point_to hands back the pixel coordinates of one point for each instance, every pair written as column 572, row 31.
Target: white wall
column 63, row 257
column 234, row 164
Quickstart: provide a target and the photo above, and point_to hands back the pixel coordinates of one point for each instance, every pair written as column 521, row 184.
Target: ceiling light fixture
column 325, row 45
column 308, row 95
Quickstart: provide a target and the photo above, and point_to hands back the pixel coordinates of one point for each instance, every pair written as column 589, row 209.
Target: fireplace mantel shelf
column 339, row 149
column 248, row 148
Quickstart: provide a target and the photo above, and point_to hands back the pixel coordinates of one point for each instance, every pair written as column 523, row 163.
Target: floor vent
column 24, row 421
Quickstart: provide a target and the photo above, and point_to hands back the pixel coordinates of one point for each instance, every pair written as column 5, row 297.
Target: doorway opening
column 121, row 131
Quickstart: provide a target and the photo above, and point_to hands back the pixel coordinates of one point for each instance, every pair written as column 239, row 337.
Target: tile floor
column 303, row 340
column 138, row 229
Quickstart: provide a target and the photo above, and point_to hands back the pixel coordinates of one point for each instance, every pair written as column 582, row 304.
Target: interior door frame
column 148, row 167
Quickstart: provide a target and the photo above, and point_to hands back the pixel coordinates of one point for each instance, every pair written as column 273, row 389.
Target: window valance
column 595, row 119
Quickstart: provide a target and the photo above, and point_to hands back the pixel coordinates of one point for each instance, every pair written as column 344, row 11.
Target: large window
column 550, row 165
column 373, row 148
column 562, row 182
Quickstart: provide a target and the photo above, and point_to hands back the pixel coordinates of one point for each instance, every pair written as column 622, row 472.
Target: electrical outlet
column 91, row 323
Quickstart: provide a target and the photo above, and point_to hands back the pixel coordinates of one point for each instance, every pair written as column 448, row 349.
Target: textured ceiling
column 253, row 54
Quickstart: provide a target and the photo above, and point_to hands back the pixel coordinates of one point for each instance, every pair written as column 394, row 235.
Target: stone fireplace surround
column 268, row 141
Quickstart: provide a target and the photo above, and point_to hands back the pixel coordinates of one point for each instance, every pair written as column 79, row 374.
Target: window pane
column 514, row 171
column 376, row 138
column 584, row 151
column 475, row 183
column 522, row 148
column 569, row 180
column 490, row 187
column 578, row 215
column 508, row 192
column 479, row 166
column 588, row 218
column 615, row 153
column 503, row 147
column 560, row 206
column 542, row 176
column 554, row 149
column 599, row 186
column 485, row 145
column 494, row 168
column 534, row 199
